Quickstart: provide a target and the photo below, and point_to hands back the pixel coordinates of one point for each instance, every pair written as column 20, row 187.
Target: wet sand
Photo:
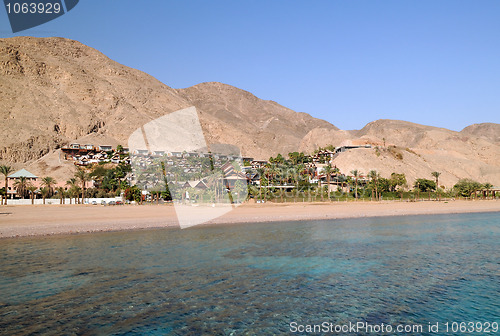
column 34, row 220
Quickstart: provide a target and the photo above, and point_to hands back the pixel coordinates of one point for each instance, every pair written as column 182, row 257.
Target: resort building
column 200, row 184
column 105, row 148
column 12, row 178
column 84, row 155
column 342, row 149
column 258, row 163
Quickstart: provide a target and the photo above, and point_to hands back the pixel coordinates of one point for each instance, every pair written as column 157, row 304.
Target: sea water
column 256, row 279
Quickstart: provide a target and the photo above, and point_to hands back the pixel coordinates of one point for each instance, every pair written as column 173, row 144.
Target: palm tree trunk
column 260, row 190
column 437, row 189
column 320, row 188
column 297, row 190
column 83, row 190
column 328, row 183
column 356, row 191
column 6, row 190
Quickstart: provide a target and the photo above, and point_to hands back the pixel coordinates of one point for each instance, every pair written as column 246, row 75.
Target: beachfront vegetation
column 204, row 178
column 466, row 187
column 49, row 183
column 6, row 171
column 21, row 185
column 32, row 189
column 133, row 194
column 425, row 185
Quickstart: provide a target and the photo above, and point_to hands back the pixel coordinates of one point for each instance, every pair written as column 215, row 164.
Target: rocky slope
column 260, row 128
column 417, row 150
column 488, row 131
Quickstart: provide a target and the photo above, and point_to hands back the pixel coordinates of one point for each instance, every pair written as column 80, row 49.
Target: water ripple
column 253, row 280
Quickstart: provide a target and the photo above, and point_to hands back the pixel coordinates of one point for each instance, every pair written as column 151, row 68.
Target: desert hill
column 417, row 150
column 54, row 91
column 489, row 131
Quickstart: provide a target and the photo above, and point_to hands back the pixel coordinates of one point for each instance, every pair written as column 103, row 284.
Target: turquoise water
column 255, row 279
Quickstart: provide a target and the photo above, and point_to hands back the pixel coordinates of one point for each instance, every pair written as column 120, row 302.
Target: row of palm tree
column 274, row 172
column 25, row 188
column 83, row 177
column 278, row 172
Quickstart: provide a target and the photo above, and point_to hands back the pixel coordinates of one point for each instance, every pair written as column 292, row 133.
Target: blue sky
column 348, row 62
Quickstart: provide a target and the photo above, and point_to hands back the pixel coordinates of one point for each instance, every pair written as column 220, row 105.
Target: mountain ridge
column 54, row 91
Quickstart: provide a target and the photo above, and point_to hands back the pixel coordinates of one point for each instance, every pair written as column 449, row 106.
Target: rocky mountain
column 54, row 91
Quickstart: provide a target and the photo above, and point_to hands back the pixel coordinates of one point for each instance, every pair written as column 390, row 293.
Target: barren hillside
column 489, row 131
column 424, row 149
column 259, row 127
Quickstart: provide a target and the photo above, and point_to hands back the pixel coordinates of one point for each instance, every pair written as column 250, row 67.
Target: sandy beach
column 28, row 220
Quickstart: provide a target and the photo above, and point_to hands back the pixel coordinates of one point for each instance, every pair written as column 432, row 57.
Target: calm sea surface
column 255, row 279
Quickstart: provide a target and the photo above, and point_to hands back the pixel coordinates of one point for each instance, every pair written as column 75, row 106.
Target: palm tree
column 21, row 186
column 299, row 169
column 328, row 172
column 374, row 176
column 260, row 171
column 45, row 192
column 418, row 188
column 32, row 190
column 73, row 192
column 155, row 195
column 83, row 177
column 273, row 171
column 6, row 170
column 356, row 174
column 335, row 170
column 280, row 172
column 487, row 186
column 320, row 189
column 436, row 176
column 71, row 183
column 61, row 192
column 49, row 182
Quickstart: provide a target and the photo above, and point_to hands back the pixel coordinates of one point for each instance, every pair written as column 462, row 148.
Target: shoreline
column 39, row 220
